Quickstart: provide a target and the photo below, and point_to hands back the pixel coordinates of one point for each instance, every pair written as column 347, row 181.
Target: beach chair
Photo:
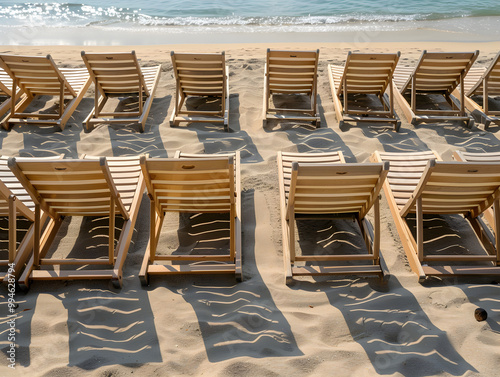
column 118, row 74
column 489, row 214
column 201, row 76
column 16, row 203
column 104, row 187
column 435, row 76
column 291, row 73
column 193, row 184
column 419, row 184
column 39, row 76
column 316, row 186
column 368, row 75
column 483, row 82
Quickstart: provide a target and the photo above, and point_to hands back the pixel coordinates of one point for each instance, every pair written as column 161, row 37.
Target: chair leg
column 496, row 212
column 376, row 236
column 12, row 228
column 111, row 249
column 420, row 230
column 291, row 236
column 36, row 237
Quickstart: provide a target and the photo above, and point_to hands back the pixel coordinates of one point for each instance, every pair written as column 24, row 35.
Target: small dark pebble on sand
column 480, row 314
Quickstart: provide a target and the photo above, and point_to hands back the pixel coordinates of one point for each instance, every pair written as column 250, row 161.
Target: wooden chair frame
column 421, row 183
column 291, row 72
column 331, row 191
column 435, row 73
column 364, row 73
column 5, row 83
column 14, row 203
column 114, row 186
column 35, row 76
column 174, row 189
column 119, row 74
column 200, row 75
column 485, row 82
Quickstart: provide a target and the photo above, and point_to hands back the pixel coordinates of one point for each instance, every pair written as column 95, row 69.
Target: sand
column 212, row 326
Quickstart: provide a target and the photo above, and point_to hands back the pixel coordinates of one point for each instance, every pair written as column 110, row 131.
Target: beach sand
column 212, row 326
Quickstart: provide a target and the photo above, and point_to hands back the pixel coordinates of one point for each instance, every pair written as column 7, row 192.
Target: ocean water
column 170, row 21
column 232, row 13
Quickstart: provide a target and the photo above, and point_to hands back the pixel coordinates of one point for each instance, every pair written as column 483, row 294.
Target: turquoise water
column 231, row 13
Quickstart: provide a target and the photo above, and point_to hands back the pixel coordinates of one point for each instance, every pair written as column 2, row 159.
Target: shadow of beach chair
column 202, row 76
column 368, row 75
column 193, row 183
column 16, row 203
column 489, row 214
column 39, row 76
column 420, row 184
column 483, row 82
column 436, row 76
column 118, row 74
column 291, row 73
column 316, row 186
column 106, row 187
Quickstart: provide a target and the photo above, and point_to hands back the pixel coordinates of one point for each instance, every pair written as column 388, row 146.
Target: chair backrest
column 368, row 73
column 335, row 188
column 9, row 185
column 5, row 83
column 200, row 185
column 477, row 156
column 200, row 74
column 36, row 75
column 456, row 188
column 492, row 76
column 69, row 187
column 291, row 72
column 440, row 71
column 115, row 73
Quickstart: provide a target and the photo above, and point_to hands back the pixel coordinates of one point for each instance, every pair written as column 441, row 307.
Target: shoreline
column 336, row 52
column 469, row 29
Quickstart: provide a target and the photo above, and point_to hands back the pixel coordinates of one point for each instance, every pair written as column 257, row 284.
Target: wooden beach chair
column 368, row 75
column 316, row 186
column 419, row 184
column 118, row 74
column 39, row 76
column 291, row 73
column 479, row 85
column 202, row 76
column 16, row 203
column 92, row 186
column 435, row 76
column 193, row 184
column 489, row 214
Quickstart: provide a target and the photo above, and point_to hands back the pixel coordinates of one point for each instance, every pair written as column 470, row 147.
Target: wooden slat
column 336, row 270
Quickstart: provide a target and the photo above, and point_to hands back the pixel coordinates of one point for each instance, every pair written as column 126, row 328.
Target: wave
column 70, row 14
